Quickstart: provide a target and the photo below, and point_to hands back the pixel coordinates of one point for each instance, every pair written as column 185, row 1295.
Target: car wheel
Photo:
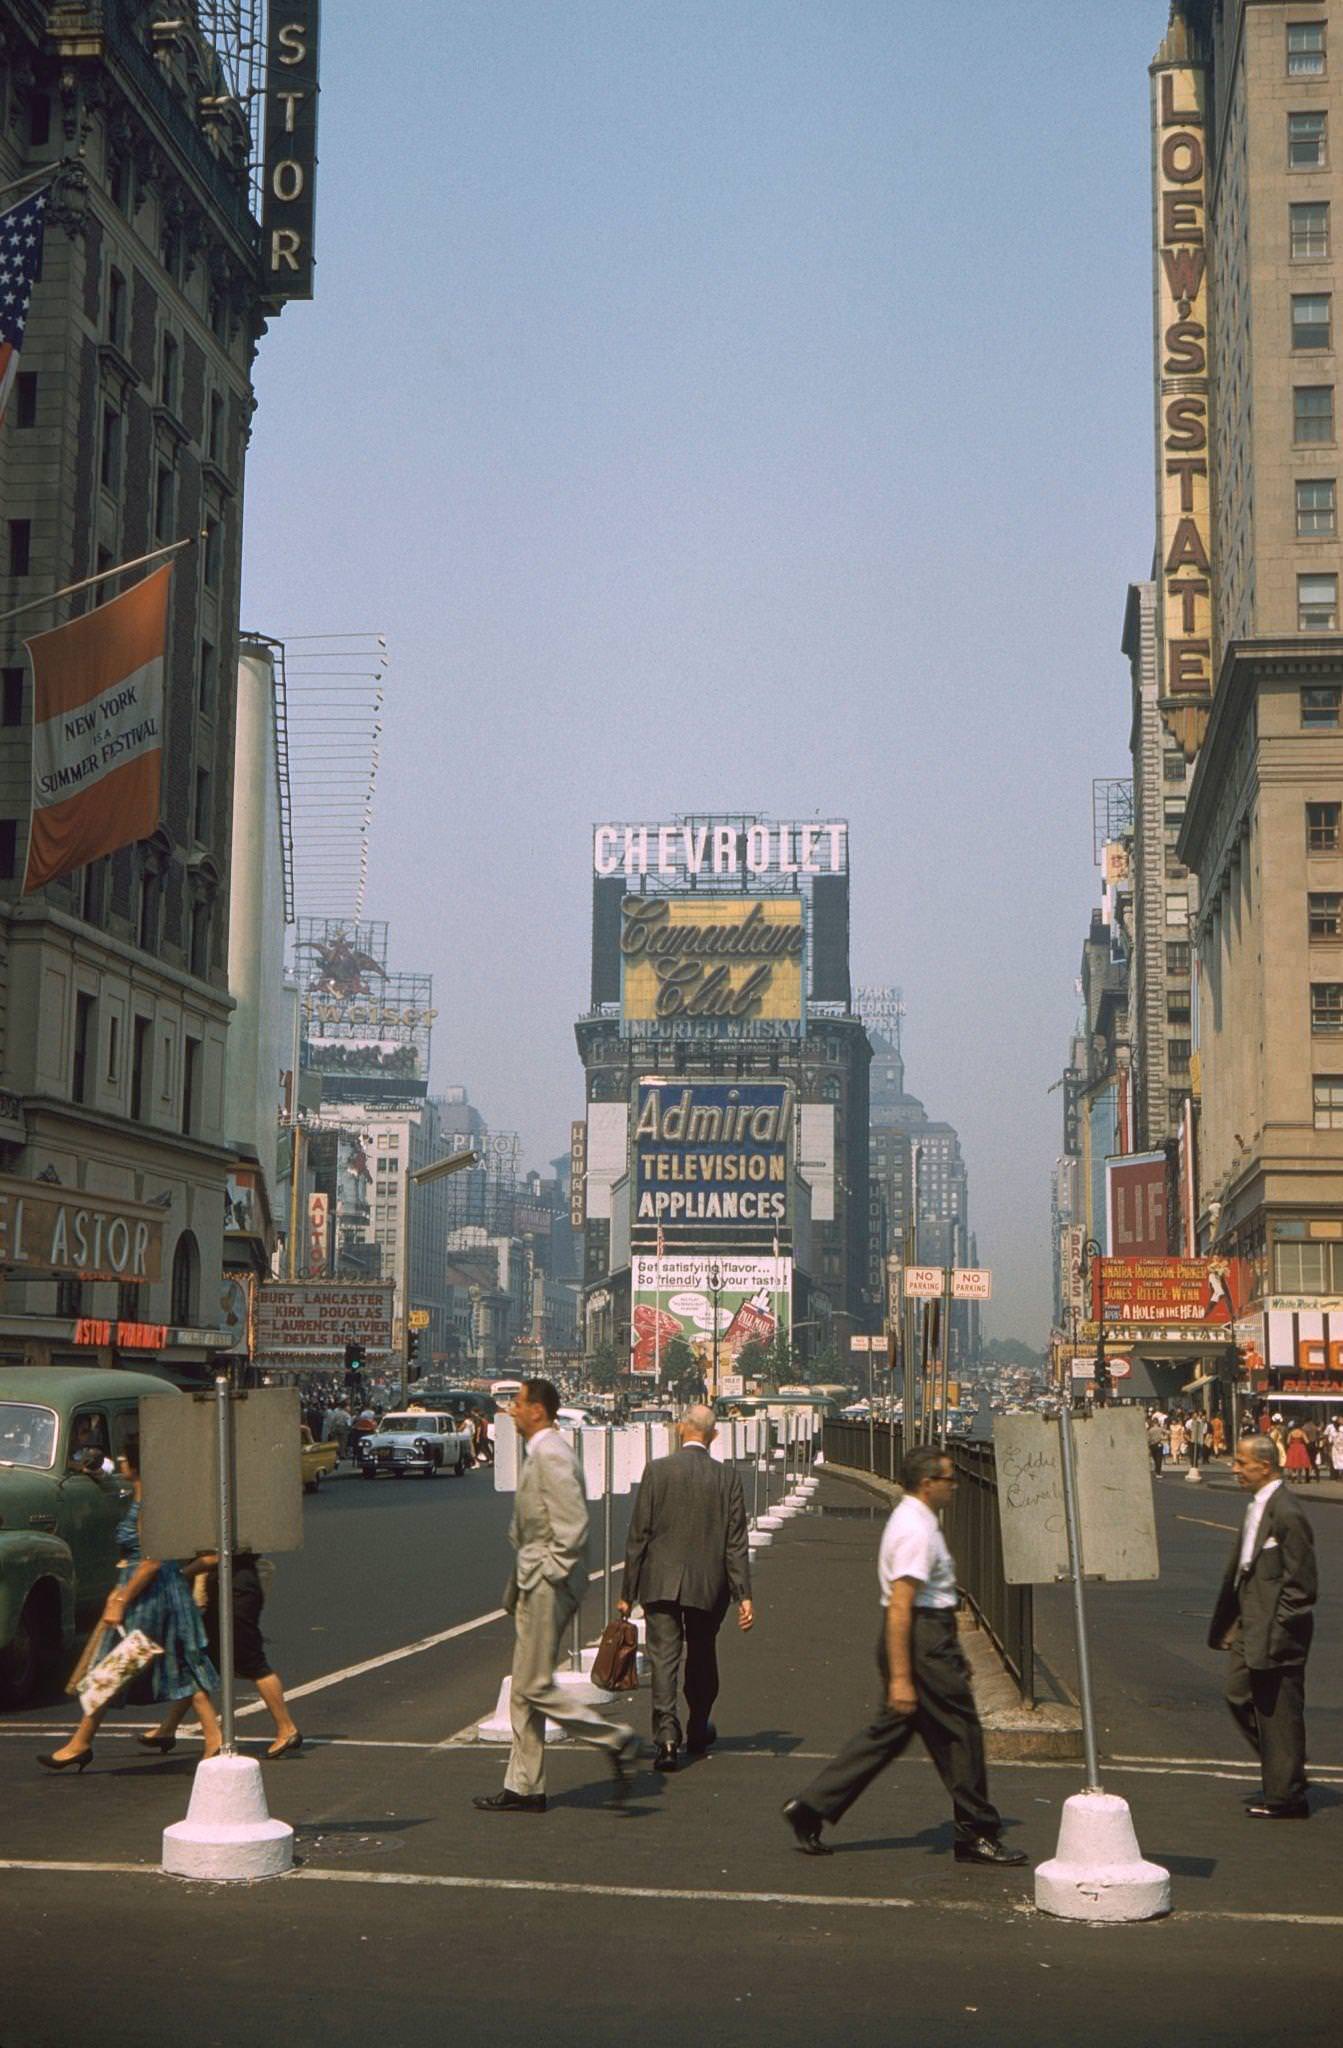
column 368, row 1473
column 459, row 1469
column 310, row 1486
column 23, row 1662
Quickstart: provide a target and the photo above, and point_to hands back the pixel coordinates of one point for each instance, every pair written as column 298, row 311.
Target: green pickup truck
column 61, row 1500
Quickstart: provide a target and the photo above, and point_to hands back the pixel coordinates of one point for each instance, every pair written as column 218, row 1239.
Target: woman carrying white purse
column 150, row 1595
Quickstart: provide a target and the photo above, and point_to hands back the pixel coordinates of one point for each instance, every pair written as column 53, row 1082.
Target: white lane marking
column 446, row 1635
column 665, row 1894
column 1204, row 1523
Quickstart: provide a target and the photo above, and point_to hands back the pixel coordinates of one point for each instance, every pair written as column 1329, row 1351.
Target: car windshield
column 27, row 1435
column 397, row 1425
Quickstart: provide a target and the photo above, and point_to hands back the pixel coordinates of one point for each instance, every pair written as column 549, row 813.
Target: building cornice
column 1246, row 665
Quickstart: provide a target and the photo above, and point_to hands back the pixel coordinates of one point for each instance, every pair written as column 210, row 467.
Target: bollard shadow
column 1183, row 1866
column 937, row 1841
column 310, row 1830
column 774, row 1741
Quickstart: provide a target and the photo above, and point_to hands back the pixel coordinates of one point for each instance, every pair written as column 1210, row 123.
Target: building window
column 1319, row 705
column 91, row 891
column 1328, row 1093
column 20, row 546
column 207, row 678
column 1306, row 138
column 1177, row 956
column 141, row 1049
column 164, row 495
column 1326, row 1007
column 25, row 399
column 1174, row 768
column 1173, row 813
column 1322, row 828
column 213, row 553
column 1177, row 909
column 1177, row 1052
column 1316, row 508
column 1177, row 1006
column 214, row 446
column 119, row 181
column 69, row 1297
column 1317, row 603
column 168, row 362
column 148, row 921
column 201, row 820
column 1312, row 320
column 116, row 309
column 109, row 459
column 39, row 120
column 86, row 1019
column 114, row 1048
column 1313, row 413
column 9, row 848
column 200, row 940
column 191, row 1060
column 1305, row 49
column 1310, row 231
column 11, row 696
column 186, row 1280
column 1324, row 909
column 1175, row 1101
column 1303, row 1268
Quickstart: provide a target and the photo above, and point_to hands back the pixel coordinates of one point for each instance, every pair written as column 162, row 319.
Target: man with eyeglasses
column 925, row 1681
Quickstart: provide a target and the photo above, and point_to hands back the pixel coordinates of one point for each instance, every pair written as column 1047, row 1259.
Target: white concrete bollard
column 759, row 1539
column 228, row 1836
column 1193, row 1477
column 1098, row 1871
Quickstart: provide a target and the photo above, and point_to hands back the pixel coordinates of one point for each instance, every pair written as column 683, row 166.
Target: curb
column 1013, row 1732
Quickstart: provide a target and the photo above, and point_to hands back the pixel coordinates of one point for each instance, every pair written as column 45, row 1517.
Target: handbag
column 134, row 1651
column 615, row 1668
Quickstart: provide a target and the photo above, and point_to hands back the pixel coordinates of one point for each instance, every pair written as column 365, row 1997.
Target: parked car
column 317, row 1458
column 414, row 1440
column 61, row 1501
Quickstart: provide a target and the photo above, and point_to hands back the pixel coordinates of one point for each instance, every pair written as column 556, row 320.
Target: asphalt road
column 412, row 1916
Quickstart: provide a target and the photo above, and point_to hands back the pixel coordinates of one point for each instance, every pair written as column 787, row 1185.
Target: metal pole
column 755, row 1482
column 224, row 1442
column 1076, row 1568
column 946, row 1344
column 609, row 1477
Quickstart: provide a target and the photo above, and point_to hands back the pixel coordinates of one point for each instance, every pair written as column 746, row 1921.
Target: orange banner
column 97, row 731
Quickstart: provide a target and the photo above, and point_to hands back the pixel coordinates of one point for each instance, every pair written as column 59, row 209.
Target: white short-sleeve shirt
column 913, row 1547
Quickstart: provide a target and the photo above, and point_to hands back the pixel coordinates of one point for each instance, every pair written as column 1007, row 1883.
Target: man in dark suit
column 685, row 1558
column 1264, row 1618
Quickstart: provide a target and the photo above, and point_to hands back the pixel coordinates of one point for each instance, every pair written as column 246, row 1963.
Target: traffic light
column 412, row 1352
column 354, row 1366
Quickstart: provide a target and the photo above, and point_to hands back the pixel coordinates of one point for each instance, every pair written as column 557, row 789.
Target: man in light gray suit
column 546, row 1587
column 686, row 1556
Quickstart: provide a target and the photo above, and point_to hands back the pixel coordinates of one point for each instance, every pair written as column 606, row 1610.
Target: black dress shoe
column 988, row 1849
column 701, row 1740
column 806, row 1825
column 511, row 1802
column 666, row 1758
column 1263, row 1809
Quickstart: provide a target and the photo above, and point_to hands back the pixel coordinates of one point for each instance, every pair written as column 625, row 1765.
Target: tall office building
column 1247, row 99
column 127, row 430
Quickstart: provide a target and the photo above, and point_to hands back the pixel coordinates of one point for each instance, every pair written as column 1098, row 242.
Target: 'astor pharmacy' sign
column 46, row 1229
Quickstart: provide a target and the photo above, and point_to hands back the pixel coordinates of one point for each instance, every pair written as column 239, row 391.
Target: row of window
column 19, row 535
column 1326, row 1007
column 1306, row 49
column 85, row 1052
column 1322, row 827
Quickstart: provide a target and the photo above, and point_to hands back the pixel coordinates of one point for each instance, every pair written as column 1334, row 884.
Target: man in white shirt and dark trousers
column 924, row 1678
column 1265, row 1617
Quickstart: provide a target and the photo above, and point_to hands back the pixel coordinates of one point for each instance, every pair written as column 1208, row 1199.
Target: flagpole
column 48, row 171
column 103, row 575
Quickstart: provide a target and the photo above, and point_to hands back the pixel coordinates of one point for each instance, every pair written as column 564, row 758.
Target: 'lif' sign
column 291, row 149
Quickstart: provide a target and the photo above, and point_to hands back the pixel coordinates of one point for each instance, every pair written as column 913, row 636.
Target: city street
column 410, row 1910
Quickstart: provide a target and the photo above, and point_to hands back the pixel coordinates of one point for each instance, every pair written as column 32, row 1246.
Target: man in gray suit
column 549, row 1535
column 1265, row 1617
column 686, row 1556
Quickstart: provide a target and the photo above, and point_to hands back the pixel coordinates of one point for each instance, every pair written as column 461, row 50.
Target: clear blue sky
column 732, row 404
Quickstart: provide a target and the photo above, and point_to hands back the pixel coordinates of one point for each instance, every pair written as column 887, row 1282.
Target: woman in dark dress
column 249, row 1652
column 150, row 1594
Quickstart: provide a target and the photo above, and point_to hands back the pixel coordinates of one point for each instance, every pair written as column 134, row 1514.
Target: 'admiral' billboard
column 711, row 1159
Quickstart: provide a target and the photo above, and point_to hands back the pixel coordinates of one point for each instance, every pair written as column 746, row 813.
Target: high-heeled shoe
column 162, row 1743
column 52, row 1762
column 289, row 1747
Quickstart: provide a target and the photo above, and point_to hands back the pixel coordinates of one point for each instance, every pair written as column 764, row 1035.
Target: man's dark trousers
column 946, row 1720
column 1269, row 1707
column 673, row 1629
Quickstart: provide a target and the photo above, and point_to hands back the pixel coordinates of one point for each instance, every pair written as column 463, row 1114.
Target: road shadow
column 937, row 1841
column 776, row 1741
column 309, row 1830
column 1183, row 1866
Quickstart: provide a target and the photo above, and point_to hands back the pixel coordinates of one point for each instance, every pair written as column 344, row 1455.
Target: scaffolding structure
column 1111, row 812
column 236, row 30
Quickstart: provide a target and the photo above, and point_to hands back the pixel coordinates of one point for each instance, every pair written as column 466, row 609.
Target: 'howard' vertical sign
column 287, row 206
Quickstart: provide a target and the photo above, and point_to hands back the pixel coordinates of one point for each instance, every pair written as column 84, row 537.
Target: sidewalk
column 688, row 1908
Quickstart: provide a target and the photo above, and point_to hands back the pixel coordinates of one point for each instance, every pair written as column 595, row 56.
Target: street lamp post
column 715, row 1286
column 1091, row 1251
column 457, row 1162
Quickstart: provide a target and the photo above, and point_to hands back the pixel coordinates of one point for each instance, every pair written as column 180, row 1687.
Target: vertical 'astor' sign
column 287, row 205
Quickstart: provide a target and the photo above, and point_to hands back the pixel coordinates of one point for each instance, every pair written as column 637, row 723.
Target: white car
column 413, row 1440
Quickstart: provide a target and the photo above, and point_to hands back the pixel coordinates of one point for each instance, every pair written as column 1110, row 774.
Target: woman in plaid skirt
column 150, row 1594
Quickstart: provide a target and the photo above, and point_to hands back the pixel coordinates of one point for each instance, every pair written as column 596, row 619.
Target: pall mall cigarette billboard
column 678, row 1297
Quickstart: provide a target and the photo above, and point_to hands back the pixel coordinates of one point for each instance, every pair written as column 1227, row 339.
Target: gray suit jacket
column 549, row 1532
column 1275, row 1599
column 687, row 1539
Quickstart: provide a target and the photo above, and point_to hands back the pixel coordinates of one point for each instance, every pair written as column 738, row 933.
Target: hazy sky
column 738, row 405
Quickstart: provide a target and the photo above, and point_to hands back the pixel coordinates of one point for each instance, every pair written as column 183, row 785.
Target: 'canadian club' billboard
column 710, row 1161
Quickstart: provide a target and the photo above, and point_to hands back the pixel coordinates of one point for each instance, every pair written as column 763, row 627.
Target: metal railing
column 973, row 1534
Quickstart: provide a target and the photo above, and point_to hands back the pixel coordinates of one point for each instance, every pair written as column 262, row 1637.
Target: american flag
column 20, row 254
